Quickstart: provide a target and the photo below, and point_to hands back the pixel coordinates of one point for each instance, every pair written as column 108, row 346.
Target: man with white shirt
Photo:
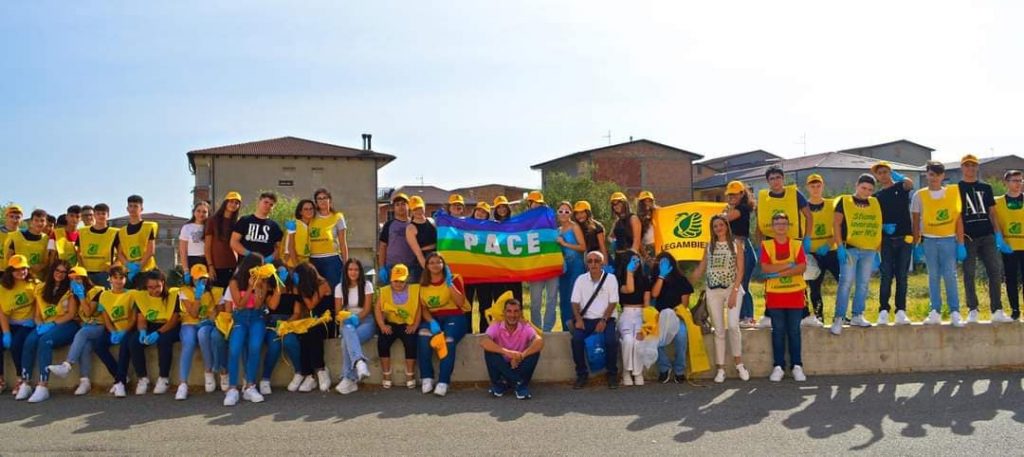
column 595, row 295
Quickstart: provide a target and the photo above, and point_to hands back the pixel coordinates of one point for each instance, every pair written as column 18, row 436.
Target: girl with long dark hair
column 192, row 238
column 217, row 240
column 55, row 327
column 355, row 295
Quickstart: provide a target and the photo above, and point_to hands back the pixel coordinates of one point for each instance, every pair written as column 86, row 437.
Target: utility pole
column 609, row 137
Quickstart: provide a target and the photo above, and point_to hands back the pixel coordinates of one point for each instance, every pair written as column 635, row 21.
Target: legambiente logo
column 689, row 225
column 1015, row 228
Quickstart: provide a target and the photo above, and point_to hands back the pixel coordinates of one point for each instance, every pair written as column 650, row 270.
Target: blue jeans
column 219, row 346
column 290, row 344
column 548, row 291
column 19, row 333
column 896, row 254
column 856, row 268
column 573, row 270
column 164, row 350
column 749, row 261
column 501, row 371
column 611, row 347
column 678, row 364
column 454, row 328
column 352, row 339
column 786, row 329
column 91, row 338
column 41, row 347
column 940, row 260
column 330, row 268
column 214, row 349
column 246, row 336
column 124, row 357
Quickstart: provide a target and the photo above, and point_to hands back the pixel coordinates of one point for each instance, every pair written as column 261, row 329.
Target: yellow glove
column 342, row 315
column 223, row 322
column 440, row 346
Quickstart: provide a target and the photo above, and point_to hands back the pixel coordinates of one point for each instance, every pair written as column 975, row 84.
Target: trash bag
column 647, row 350
column 595, row 347
column 813, row 271
column 668, row 327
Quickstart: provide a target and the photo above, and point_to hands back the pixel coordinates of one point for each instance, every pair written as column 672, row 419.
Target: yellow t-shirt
column 134, row 246
column 97, row 316
column 439, row 297
column 768, row 206
column 52, row 311
column 1011, row 222
column 322, row 239
column 96, row 249
column 301, row 244
column 156, row 309
column 34, row 251
column 822, row 224
column 65, row 248
column 394, row 313
column 939, row 216
column 207, row 305
column 118, row 307
column 17, row 302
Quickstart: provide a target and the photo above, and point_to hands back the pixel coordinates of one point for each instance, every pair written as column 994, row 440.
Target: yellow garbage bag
column 223, row 322
column 650, row 322
column 697, row 358
column 496, row 313
column 440, row 346
column 301, row 326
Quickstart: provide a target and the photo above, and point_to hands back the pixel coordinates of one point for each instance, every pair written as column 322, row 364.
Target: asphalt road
column 981, row 413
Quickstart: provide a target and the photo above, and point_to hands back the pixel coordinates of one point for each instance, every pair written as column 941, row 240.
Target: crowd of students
column 253, row 289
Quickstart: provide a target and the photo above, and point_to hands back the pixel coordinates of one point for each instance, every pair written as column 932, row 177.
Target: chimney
column 367, row 142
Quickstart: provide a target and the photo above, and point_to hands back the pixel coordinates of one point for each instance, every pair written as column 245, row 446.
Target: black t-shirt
column 258, row 235
column 741, row 226
column 895, row 203
column 673, row 287
column 641, row 284
column 976, row 199
column 623, row 232
column 31, row 237
column 839, row 210
column 590, row 236
column 426, row 235
column 286, row 305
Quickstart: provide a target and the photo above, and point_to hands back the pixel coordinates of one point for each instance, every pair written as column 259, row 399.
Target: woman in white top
column 354, row 294
column 191, row 240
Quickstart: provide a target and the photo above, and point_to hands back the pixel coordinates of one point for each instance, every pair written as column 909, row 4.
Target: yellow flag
column 684, row 229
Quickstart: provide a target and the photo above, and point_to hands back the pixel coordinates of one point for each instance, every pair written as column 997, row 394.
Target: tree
column 560, row 186
column 283, row 210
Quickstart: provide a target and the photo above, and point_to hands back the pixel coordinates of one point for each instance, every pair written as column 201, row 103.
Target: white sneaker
column 24, row 391
column 42, row 393
column 60, row 370
column 118, row 390
column 231, row 398
column 323, row 378
column 308, row 384
column 972, row 316
column 627, row 380
column 901, row 318
column 162, row 384
column 776, row 375
column 252, row 394
column 742, row 370
column 956, row 320
column 638, row 379
column 441, row 389
column 1000, row 317
column 182, row 392
column 84, row 386
column 837, row 327
column 934, row 318
column 142, row 386
column 883, row 318
column 765, row 322
column 810, row 321
column 265, row 387
column 362, row 370
column 859, row 321
column 720, row 376
column 210, row 382
column 798, row 373
column 296, row 381
column 427, row 385
column 347, row 386
column 225, row 383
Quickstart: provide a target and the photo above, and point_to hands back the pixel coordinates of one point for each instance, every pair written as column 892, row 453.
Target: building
column 634, row 166
column 169, row 227
column 989, row 167
column 840, row 171
column 902, row 151
column 296, row 167
column 712, row 175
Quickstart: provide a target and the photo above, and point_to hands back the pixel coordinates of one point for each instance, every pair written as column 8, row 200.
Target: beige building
column 296, row 167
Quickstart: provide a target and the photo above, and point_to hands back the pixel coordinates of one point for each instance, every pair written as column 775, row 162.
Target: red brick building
column 635, row 165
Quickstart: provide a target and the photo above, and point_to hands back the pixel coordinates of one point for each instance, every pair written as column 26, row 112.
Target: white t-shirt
column 584, row 287
column 353, row 295
column 194, row 234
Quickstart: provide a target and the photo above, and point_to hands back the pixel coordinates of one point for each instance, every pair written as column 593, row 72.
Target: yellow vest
column 395, row 313
column 301, row 243
column 1011, row 221
column 65, row 248
column 96, row 317
column 768, row 206
column 207, row 306
column 938, row 217
column 437, row 298
column 321, row 234
column 784, row 284
column 822, row 225
column 16, row 303
column 134, row 246
column 155, row 309
column 96, row 249
column 34, row 251
column 118, row 308
column 51, row 311
column 863, row 225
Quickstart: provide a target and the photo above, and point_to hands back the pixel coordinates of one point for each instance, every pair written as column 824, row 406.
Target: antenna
column 420, row 179
column 803, row 141
column 608, row 136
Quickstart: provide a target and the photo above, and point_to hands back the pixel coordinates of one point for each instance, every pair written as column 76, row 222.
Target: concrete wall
column 889, row 349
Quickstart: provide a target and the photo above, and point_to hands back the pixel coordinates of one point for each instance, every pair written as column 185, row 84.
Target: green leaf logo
column 314, row 232
column 93, row 249
column 403, row 314
column 819, row 229
column 50, row 311
column 434, row 301
column 151, row 315
column 689, row 225
column 21, row 299
column 34, row 258
column 1015, row 228
column 117, row 313
column 135, row 252
column 786, row 280
column 942, row 215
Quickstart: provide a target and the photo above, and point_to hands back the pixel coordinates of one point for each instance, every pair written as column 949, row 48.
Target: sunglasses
column 61, row 271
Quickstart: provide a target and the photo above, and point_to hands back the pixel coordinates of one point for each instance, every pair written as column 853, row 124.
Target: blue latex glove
column 142, row 336
column 633, row 264
column 269, row 259
column 353, row 320
column 807, row 244
column 133, row 269
column 897, row 176
column 117, row 337
column 1001, row 244
column 295, row 278
column 841, row 253
column 889, row 229
column 822, row 250
column 152, row 338
column 78, row 289
column 919, row 253
column 664, row 267
column 382, row 273
column 435, row 328
column 29, row 324
column 188, row 277
column 961, row 252
column 200, row 289
column 876, row 262
column 771, row 275
column 43, row 328
column 608, row 269
column 100, row 308
column 282, row 273
column 7, row 340
column 448, row 278
column 290, row 225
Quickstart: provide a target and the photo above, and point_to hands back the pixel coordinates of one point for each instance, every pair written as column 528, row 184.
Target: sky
column 99, row 100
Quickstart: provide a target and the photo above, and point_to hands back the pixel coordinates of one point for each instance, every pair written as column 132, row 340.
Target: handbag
column 701, row 316
column 594, row 344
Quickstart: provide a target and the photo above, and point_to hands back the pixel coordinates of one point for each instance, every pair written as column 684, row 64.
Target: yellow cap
column 199, row 271
column 881, row 163
column 456, row 198
column 484, row 206
column 969, row 158
column 416, row 202
column 233, row 196
column 13, row 208
column 814, row 177
column 77, row 272
column 535, row 196
column 581, row 206
column 735, row 187
column 617, row 196
column 399, row 272
column 500, row 200
column 644, row 195
column 400, row 196
column 18, row 261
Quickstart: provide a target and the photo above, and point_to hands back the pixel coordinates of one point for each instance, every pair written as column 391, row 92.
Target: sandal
column 385, row 383
column 410, row 381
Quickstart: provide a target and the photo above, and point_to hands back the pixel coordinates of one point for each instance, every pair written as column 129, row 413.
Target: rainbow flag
column 522, row 248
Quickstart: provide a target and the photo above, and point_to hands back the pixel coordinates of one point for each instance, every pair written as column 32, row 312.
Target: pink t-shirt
column 517, row 340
